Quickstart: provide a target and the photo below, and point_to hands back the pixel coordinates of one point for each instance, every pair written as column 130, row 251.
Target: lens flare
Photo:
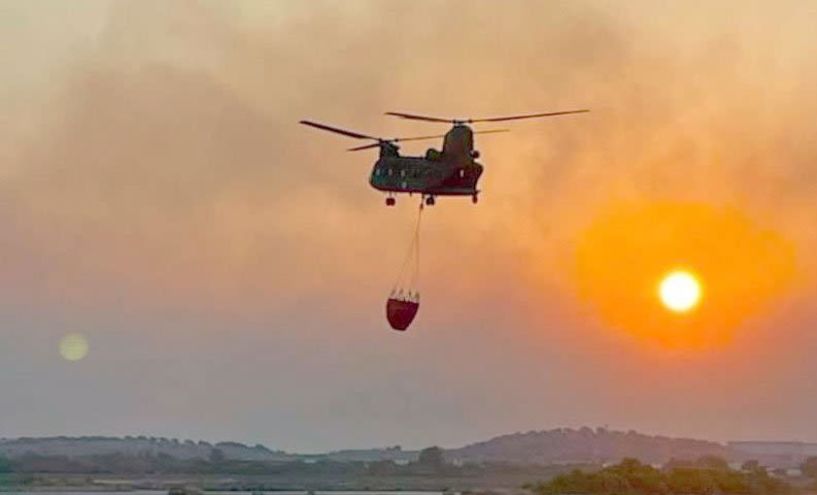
column 679, row 291
column 73, row 347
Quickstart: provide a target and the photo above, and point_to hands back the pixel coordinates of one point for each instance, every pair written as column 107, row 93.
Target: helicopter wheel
column 475, row 199
column 430, row 201
column 390, row 201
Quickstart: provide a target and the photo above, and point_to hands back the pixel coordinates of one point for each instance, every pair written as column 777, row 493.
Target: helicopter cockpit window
column 462, row 173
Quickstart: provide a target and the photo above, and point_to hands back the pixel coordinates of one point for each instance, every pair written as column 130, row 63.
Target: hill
column 583, row 445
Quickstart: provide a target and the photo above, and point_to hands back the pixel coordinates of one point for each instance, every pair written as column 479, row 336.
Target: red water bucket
column 401, row 312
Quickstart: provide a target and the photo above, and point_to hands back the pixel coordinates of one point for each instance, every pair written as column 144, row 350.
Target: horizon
column 181, row 256
column 403, row 447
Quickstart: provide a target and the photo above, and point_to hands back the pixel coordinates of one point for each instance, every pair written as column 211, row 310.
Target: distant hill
column 74, row 447
column 557, row 446
column 565, row 445
column 515, row 458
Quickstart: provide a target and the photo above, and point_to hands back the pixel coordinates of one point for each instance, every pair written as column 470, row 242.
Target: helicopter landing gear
column 390, row 201
column 430, row 201
column 475, row 199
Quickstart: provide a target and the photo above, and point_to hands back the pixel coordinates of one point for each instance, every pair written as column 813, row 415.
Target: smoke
column 169, row 152
column 158, row 166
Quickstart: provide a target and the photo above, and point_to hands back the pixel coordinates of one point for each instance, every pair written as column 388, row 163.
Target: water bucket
column 401, row 312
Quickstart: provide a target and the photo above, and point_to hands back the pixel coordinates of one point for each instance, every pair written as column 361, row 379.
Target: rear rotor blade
column 336, row 130
column 364, row 147
column 419, row 117
column 411, row 116
column 492, row 131
column 528, row 116
column 417, row 138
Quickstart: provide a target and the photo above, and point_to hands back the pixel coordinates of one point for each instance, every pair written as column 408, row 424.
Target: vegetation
column 5, row 465
column 585, row 445
column 752, row 465
column 432, row 458
column 708, row 476
column 429, row 464
column 809, row 468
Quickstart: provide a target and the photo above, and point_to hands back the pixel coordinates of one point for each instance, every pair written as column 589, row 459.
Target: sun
column 679, row 291
column 680, row 275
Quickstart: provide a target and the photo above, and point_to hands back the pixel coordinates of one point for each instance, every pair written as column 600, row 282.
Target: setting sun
column 679, row 291
column 641, row 265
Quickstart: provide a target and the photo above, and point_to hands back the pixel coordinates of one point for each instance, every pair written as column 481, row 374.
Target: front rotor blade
column 419, row 117
column 419, row 138
column 395, row 140
column 528, row 116
column 325, row 127
column 438, row 136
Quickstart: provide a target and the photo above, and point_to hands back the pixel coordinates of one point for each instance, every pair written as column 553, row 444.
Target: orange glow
column 629, row 252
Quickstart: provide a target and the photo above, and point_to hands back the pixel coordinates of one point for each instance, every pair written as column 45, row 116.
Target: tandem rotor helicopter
column 452, row 171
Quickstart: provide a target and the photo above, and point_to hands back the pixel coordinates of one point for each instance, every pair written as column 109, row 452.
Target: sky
column 228, row 268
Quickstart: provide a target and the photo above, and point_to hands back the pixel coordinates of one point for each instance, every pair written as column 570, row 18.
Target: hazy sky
column 229, row 267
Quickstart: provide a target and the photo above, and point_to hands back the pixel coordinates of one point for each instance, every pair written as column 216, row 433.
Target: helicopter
column 452, row 171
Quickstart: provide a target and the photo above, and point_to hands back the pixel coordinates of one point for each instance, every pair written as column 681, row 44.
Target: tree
column 692, row 481
column 385, row 467
column 809, row 467
column 675, row 463
column 5, row 465
column 712, row 462
column 631, row 477
column 780, row 472
column 217, row 456
column 431, row 457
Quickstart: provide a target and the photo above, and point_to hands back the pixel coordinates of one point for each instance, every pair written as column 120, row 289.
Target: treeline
column 151, row 464
column 216, row 462
column 430, row 462
column 707, row 476
column 5, row 466
column 134, row 446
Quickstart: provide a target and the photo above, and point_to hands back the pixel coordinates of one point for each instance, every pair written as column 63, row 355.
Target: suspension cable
column 413, row 252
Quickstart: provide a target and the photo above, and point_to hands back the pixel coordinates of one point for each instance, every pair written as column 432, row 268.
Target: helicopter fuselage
column 450, row 172
column 434, row 177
